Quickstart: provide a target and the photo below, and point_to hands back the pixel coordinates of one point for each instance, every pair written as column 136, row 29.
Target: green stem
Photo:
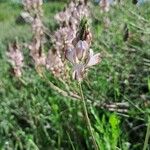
column 147, row 136
column 87, row 118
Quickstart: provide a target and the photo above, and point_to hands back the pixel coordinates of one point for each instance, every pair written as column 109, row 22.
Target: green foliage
column 107, row 129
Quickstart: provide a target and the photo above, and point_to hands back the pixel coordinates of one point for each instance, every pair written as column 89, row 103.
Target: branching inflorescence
column 72, row 39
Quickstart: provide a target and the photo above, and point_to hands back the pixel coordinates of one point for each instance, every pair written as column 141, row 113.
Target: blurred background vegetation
column 33, row 116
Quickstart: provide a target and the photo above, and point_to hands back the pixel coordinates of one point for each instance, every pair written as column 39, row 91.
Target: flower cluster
column 64, row 38
column 82, row 57
column 104, row 5
column 15, row 58
column 72, row 40
column 69, row 21
column 33, row 6
column 36, row 46
column 55, row 64
column 72, row 15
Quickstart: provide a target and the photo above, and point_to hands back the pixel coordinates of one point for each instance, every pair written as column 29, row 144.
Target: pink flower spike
column 15, row 58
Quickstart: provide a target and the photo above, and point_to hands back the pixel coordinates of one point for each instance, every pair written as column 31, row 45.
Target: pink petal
column 81, row 49
column 71, row 55
column 78, row 72
column 93, row 59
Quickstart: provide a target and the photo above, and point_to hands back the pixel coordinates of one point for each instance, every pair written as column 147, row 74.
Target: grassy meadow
column 33, row 116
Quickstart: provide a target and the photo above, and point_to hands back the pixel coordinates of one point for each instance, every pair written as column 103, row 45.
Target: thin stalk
column 89, row 126
column 70, row 141
column 68, row 94
column 147, row 136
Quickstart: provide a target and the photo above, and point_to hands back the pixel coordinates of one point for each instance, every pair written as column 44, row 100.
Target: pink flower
column 29, row 4
column 105, row 5
column 37, row 26
column 36, row 52
column 63, row 40
column 82, row 58
column 62, row 17
column 39, row 60
column 54, row 63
